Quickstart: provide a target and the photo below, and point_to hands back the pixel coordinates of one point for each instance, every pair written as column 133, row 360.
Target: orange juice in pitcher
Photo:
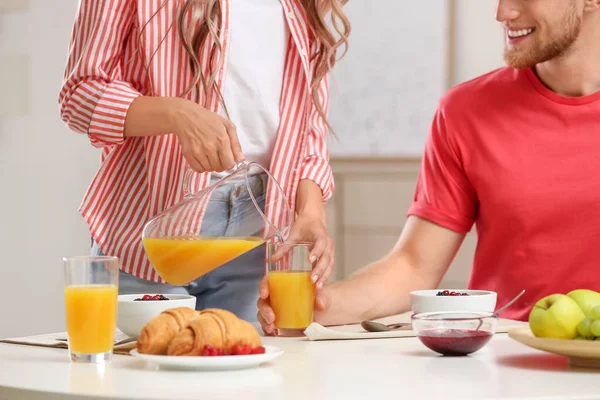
column 180, row 260
column 191, row 239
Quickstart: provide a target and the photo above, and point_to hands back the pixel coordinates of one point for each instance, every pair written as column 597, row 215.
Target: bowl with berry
column 455, row 333
column 439, row 300
column 135, row 310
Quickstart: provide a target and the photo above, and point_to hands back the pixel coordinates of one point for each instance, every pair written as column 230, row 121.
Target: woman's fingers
column 319, row 254
column 234, row 142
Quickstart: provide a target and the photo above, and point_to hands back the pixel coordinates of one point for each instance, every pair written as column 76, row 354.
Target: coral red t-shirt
column 522, row 163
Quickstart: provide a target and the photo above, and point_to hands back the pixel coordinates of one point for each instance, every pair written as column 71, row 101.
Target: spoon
column 504, row 307
column 372, row 326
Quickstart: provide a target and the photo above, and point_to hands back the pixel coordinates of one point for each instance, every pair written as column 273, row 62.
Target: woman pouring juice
column 160, row 86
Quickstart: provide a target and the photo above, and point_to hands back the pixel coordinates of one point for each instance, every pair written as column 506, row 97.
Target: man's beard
column 535, row 53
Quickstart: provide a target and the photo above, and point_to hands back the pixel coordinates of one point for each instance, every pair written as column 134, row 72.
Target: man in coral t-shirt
column 515, row 152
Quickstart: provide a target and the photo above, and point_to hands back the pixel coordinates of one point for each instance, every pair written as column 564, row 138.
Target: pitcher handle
column 189, row 176
column 278, row 234
column 187, row 182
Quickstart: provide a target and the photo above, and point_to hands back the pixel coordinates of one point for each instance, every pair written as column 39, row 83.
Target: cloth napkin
column 316, row 331
column 53, row 340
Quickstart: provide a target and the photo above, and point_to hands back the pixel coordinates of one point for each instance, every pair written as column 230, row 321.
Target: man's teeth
column 522, row 32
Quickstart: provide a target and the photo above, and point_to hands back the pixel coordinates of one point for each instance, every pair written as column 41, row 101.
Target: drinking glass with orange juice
column 91, row 290
column 291, row 291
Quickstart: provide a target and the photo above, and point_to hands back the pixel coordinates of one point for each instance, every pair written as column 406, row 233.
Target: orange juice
column 180, row 260
column 292, row 298
column 91, row 312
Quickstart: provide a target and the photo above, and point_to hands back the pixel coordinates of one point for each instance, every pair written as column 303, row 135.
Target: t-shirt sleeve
column 444, row 195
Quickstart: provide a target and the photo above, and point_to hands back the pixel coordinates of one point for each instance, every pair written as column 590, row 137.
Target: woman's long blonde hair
column 207, row 23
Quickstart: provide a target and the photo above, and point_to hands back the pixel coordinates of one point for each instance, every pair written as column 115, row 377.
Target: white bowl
column 424, row 301
column 132, row 315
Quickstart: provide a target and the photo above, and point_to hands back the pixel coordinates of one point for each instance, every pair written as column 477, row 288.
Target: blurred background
column 403, row 56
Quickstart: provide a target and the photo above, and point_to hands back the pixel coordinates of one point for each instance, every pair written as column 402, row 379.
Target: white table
column 399, row 368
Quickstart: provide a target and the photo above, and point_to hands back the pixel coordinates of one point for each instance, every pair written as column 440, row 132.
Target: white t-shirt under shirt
column 254, row 75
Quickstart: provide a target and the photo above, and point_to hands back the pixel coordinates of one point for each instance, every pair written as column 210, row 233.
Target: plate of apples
column 565, row 324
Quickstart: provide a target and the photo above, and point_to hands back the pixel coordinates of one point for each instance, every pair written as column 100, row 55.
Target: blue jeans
column 232, row 286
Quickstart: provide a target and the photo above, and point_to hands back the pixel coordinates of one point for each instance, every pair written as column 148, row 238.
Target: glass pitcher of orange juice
column 187, row 240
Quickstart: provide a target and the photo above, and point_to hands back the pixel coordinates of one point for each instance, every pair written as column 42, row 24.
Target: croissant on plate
column 216, row 328
column 159, row 331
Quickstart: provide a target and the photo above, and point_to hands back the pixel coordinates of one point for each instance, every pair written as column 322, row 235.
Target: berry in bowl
column 438, row 300
column 149, row 297
column 450, row 293
column 455, row 333
column 136, row 310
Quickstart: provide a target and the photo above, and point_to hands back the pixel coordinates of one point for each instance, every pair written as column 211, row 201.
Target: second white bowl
column 424, row 301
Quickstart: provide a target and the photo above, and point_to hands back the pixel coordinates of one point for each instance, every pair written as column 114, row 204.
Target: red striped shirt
column 141, row 176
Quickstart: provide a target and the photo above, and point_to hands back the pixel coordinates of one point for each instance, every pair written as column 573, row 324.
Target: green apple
column 587, row 299
column 555, row 316
column 596, row 312
column 584, row 328
column 595, row 328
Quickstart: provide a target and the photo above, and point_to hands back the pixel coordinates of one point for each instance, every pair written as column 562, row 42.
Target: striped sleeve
column 315, row 165
column 94, row 99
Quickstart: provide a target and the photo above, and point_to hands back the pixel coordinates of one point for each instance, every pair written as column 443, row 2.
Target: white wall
column 386, row 88
column 45, row 169
column 478, row 39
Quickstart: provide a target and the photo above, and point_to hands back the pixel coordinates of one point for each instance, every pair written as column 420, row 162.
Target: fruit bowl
column 455, row 333
column 134, row 312
column 581, row 353
column 424, row 301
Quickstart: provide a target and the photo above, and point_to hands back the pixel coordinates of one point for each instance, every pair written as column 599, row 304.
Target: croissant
column 159, row 331
column 217, row 328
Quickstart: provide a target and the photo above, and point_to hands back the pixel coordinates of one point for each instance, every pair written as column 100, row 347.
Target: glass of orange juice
column 91, row 290
column 291, row 291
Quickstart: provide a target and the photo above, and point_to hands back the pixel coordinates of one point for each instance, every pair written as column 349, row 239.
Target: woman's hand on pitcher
column 208, row 141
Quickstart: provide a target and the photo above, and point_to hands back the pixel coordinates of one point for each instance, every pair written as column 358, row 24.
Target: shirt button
column 291, row 15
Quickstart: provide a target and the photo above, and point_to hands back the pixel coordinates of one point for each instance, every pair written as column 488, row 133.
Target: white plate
column 211, row 363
